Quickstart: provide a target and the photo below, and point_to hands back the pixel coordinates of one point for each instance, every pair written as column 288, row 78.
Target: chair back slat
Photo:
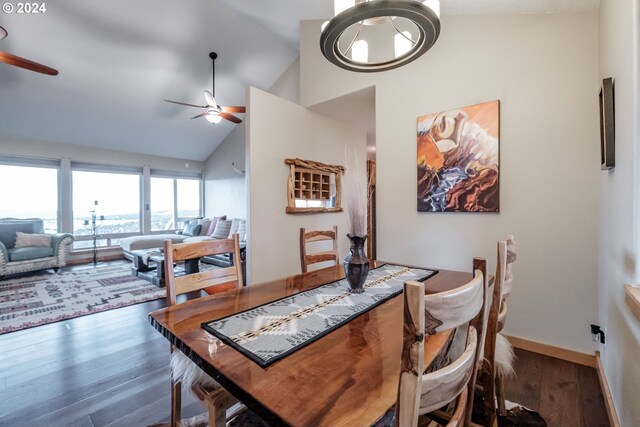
column 307, row 259
column 184, row 251
column 444, row 385
column 450, row 309
column 205, row 279
column 319, row 235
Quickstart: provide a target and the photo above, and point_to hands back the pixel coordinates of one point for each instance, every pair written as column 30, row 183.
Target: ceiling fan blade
column 10, row 59
column 234, row 109
column 200, row 115
column 211, row 100
column 230, row 117
column 184, row 103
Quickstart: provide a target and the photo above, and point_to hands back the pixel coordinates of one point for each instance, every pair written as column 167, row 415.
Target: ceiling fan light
column 213, row 118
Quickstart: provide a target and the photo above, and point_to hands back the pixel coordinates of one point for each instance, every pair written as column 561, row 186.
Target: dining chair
column 498, row 352
column 216, row 399
column 306, row 237
column 421, row 393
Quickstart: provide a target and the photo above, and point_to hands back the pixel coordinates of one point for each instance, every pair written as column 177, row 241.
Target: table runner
column 276, row 329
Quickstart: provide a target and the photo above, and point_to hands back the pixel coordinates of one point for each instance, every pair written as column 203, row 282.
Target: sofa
column 25, row 247
column 194, row 230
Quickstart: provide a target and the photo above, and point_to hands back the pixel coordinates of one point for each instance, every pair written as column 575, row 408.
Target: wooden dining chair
column 498, row 353
column 216, row 399
column 422, row 393
column 307, row 259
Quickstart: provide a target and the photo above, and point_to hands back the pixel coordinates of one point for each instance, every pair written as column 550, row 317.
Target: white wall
column 278, row 129
column 620, row 208
column 543, row 69
column 224, row 188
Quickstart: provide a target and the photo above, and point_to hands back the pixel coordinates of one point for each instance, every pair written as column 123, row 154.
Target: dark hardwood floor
column 564, row 393
column 112, row 369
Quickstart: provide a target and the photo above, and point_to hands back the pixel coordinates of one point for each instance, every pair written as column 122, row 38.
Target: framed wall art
column 458, row 160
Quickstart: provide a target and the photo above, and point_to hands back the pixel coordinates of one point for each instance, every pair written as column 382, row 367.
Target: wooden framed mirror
column 313, row 187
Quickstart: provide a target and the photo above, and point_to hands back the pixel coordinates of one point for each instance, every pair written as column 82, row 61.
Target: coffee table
column 148, row 264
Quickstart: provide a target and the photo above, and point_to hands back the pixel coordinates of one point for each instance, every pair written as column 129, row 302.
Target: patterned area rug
column 47, row 297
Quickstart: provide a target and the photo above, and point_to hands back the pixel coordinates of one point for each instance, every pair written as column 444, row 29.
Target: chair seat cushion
column 31, row 252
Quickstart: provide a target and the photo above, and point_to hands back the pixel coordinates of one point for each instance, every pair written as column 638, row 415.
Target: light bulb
column 360, row 51
column 213, row 118
column 433, row 5
column 402, row 43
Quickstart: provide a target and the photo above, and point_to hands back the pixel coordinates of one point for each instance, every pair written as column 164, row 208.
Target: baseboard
column 606, row 393
column 86, row 256
column 557, row 352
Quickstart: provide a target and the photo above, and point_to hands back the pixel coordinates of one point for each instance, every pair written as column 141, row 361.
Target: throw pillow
column 204, row 226
column 242, row 230
column 24, row 240
column 214, row 221
column 222, row 229
column 191, row 230
column 235, row 222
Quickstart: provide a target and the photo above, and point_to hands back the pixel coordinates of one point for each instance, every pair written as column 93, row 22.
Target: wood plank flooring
column 564, row 393
column 112, row 369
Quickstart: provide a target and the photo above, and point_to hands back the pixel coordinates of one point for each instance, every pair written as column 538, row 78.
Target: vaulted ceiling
column 118, row 59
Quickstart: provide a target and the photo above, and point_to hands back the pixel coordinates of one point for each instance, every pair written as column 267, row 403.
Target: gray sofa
column 30, row 258
column 131, row 245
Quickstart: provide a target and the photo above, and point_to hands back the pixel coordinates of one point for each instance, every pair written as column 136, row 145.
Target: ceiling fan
column 10, row 59
column 214, row 113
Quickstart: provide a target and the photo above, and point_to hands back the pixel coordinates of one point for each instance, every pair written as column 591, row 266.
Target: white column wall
column 278, row 129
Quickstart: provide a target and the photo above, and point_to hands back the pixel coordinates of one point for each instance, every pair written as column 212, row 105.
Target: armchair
column 30, row 258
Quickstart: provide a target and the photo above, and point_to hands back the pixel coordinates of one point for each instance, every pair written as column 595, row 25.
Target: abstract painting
column 458, row 160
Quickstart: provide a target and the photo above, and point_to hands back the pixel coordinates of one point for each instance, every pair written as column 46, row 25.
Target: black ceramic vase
column 356, row 264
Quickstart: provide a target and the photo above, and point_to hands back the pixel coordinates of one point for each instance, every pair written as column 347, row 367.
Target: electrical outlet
column 599, row 334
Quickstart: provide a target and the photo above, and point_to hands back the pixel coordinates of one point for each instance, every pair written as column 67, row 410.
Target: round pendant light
column 355, row 37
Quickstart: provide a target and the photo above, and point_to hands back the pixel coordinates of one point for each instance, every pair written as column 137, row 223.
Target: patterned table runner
column 276, row 329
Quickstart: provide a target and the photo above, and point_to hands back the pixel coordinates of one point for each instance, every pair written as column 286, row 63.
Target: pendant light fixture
column 379, row 35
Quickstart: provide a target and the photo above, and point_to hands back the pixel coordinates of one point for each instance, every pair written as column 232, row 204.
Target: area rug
column 47, row 297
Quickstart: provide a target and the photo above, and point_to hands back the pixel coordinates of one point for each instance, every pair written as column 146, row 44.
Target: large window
column 30, row 192
column 173, row 200
column 114, row 197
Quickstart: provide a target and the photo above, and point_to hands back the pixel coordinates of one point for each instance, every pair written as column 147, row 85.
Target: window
column 174, row 200
column 114, row 198
column 32, row 192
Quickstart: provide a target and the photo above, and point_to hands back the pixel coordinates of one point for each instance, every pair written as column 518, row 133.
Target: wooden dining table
column 349, row 377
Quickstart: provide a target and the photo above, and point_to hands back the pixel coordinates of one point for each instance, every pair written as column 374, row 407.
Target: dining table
column 347, row 377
